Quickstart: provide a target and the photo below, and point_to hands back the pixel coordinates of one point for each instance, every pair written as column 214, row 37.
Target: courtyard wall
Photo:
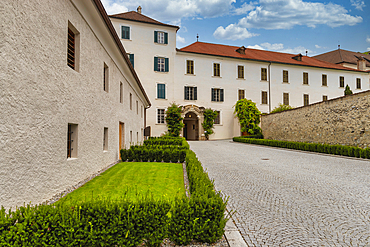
column 343, row 120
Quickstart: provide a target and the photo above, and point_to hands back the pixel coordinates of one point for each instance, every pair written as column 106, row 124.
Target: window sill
column 263, row 80
column 156, row 43
column 71, row 159
column 161, row 72
column 189, row 74
column 264, row 104
column 240, row 79
column 216, row 76
column 126, row 39
column 160, row 124
column 160, row 99
column 217, row 101
column 190, row 100
column 324, row 86
column 105, row 151
column 305, row 84
column 285, row 82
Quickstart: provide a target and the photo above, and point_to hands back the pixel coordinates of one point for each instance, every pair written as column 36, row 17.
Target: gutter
column 270, row 86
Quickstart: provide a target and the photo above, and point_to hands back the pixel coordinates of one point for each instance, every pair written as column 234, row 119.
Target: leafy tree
column 347, row 90
column 174, row 120
column 209, row 118
column 248, row 115
column 281, row 107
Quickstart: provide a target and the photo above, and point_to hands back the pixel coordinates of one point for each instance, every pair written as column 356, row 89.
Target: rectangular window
column 72, row 140
column 106, row 77
column 137, row 107
column 160, row 37
column 160, row 116
column 305, row 78
column 358, row 83
column 285, row 98
column 161, row 64
column 263, row 74
column 285, row 76
column 264, row 97
column 73, row 47
column 105, row 139
column 241, row 94
column 125, row 32
column 217, row 95
column 324, row 80
column 306, row 99
column 240, row 72
column 132, row 59
column 137, row 137
column 141, row 111
column 130, row 101
column 161, row 91
column 341, row 81
column 130, row 137
column 121, row 92
column 216, row 69
column 324, row 98
column 218, row 118
column 190, row 93
column 190, row 67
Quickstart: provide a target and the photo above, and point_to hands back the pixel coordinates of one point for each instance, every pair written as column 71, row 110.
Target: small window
column 285, row 76
column 190, row 67
column 160, row 116
column 130, row 136
column 217, row 95
column 190, row 93
column 285, row 98
column 324, row 98
column 263, row 74
column 264, row 97
column 241, row 94
column 137, row 137
column 324, row 80
column 132, row 59
column 161, row 64
column 121, row 92
column 125, row 32
column 161, row 91
column 305, row 78
column 218, row 118
column 72, row 140
column 306, row 99
column 137, row 107
column 141, row 111
column 341, row 81
column 358, row 83
column 105, row 139
column 73, row 47
column 160, row 37
column 130, row 101
column 105, row 78
column 216, row 69
column 240, row 71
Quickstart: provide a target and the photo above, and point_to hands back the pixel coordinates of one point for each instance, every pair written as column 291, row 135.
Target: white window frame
column 237, row 95
column 161, row 64
column 164, row 115
column 186, row 65
column 220, row 114
column 237, row 71
column 213, row 69
column 160, row 37
column 191, row 86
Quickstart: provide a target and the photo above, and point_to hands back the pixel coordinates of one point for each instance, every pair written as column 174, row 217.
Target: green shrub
column 281, row 108
column 123, row 154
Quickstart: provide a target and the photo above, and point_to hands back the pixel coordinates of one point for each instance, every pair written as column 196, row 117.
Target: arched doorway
column 191, row 128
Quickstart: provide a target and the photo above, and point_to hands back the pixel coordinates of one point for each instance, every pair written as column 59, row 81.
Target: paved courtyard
column 291, row 198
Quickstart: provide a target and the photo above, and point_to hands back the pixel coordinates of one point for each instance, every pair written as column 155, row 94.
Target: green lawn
column 133, row 179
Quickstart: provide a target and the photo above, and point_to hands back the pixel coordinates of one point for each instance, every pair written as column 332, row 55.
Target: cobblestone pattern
column 344, row 120
column 291, row 198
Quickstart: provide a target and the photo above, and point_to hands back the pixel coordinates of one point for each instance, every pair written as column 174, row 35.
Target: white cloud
column 280, row 48
column 317, row 46
column 285, row 14
column 245, row 8
column 368, row 48
column 172, row 10
column 359, row 4
column 180, row 39
column 232, row 32
column 368, row 39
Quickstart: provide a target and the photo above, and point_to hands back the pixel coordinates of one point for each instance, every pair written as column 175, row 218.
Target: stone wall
column 344, row 120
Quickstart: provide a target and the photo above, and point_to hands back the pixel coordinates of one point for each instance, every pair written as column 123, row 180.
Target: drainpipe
column 269, row 87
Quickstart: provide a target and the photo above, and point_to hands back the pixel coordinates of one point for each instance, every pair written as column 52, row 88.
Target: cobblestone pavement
column 291, row 198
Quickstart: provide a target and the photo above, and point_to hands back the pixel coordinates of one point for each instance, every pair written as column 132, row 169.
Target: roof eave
column 146, row 22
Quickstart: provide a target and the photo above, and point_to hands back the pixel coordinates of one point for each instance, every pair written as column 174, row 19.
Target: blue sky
column 291, row 26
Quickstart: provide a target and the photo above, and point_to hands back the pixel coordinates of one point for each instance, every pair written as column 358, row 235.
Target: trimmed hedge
column 122, row 222
column 312, row 147
column 258, row 136
column 156, row 153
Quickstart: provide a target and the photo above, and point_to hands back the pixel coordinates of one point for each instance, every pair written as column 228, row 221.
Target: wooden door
column 121, row 136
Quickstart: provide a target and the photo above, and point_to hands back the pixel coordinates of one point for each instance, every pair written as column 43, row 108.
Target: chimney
column 298, row 57
column 361, row 64
column 241, row 50
column 139, row 9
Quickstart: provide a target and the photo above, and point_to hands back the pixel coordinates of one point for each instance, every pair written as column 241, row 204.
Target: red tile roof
column 258, row 55
column 343, row 56
column 135, row 16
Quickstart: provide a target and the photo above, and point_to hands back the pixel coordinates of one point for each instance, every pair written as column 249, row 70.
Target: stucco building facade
column 204, row 75
column 69, row 97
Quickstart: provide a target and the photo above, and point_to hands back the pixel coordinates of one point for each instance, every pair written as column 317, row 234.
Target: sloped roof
column 258, row 55
column 135, row 16
column 343, row 56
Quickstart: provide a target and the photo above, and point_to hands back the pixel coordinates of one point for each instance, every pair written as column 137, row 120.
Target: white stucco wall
column 40, row 95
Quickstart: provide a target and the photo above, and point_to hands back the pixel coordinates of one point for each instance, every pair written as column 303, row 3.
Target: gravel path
column 291, row 198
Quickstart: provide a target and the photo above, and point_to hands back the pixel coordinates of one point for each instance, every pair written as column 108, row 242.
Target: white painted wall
column 40, row 95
